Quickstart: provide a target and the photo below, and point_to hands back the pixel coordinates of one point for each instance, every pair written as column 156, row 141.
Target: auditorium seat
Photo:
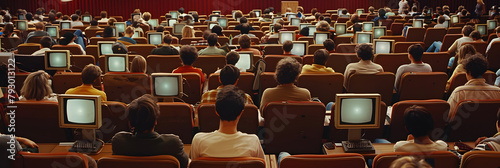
column 141, row 49
column 92, row 32
column 190, row 40
column 397, row 29
column 28, row 48
column 454, row 30
column 300, row 133
column 313, row 48
column 440, row 159
column 324, row 86
column 229, row 33
column 92, row 50
column 391, row 62
column 467, row 123
column 272, row 61
column 273, row 49
column 10, row 43
column 141, row 40
column 245, row 82
column 346, row 48
column 176, row 118
column 422, row 85
column 50, row 160
column 125, row 87
column 208, row 120
column 61, row 82
column 102, row 62
column 115, row 119
column 308, row 39
column 274, row 40
column 339, row 61
column 267, row 81
column 474, row 159
column 118, row 18
column 94, row 40
column 241, row 162
column 192, row 87
column 223, row 40
column 396, row 39
column 163, row 63
column 459, row 79
column 338, row 135
column 437, row 60
column 402, row 47
column 113, row 161
column 257, row 33
column 210, row 63
column 382, row 83
column 448, row 40
column 415, row 34
column 254, row 41
column 433, row 34
column 290, row 27
column 491, row 37
column 438, row 109
column 341, row 40
column 493, row 56
column 35, row 39
column 480, row 46
column 345, row 160
column 63, row 31
column 73, row 49
column 307, row 59
column 82, row 28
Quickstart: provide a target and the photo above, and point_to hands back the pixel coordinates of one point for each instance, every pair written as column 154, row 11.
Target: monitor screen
column 368, row 26
column 295, row 21
column 257, row 13
column 418, row 23
column 291, row 16
column 446, row 23
column 319, row 38
column 312, row 29
column 120, row 27
column 382, row 47
column 178, row 28
column 481, row 28
column 155, row 38
column 245, row 61
column 276, row 19
column 216, row 12
column 174, row 14
column 57, row 59
column 65, row 25
column 114, row 31
column 302, row 25
column 117, row 63
column 153, row 22
column 454, row 19
column 136, row 17
column 21, row 25
column 52, row 30
column 363, row 38
column 340, row 28
column 86, row 18
column 286, row 36
column 211, row 25
column 214, row 18
column 79, row 111
column 492, row 24
column 222, row 22
column 299, row 49
column 360, row 11
column 171, row 22
column 136, row 34
column 378, row 32
column 21, row 17
column 166, row 85
column 105, row 48
column 357, row 111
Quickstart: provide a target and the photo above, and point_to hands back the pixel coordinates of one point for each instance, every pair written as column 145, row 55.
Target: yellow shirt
column 316, row 68
column 87, row 90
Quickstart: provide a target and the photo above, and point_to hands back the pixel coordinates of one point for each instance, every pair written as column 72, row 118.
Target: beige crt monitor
column 300, row 48
column 53, row 31
column 455, row 19
column 120, row 26
column 302, row 25
column 492, row 24
column 217, row 12
column 155, row 38
column 65, row 24
column 482, row 29
column 178, row 28
column 166, row 85
column 57, row 60
column 86, row 18
column 383, row 46
column 363, row 37
column 286, row 36
column 257, row 12
column 320, row 37
column 105, row 47
column 116, row 63
column 21, row 25
column 340, row 28
column 245, row 61
column 360, row 11
column 418, row 23
column 379, row 31
column 174, row 14
column 368, row 26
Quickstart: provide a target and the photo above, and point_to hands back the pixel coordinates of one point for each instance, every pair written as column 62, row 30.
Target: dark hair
column 7, row 18
column 447, row 12
column 317, row 15
column 416, row 51
column 188, row 54
column 467, row 30
column 167, row 39
column 78, row 12
column 104, row 14
column 181, row 10
column 344, row 11
column 232, row 57
column 52, row 17
column 217, row 30
column 8, row 30
column 321, row 56
column 212, row 39
column 67, row 38
column 29, row 16
column 304, row 31
column 160, row 29
column 229, row 103
column 381, row 12
column 46, row 42
column 329, row 44
column 418, row 121
column 243, row 20
column 143, row 113
column 196, row 17
column 74, row 17
column 59, row 15
column 277, row 27
column 245, row 28
column 93, row 22
column 475, row 35
column 287, row 70
column 206, row 33
column 328, row 20
column 108, row 32
column 287, row 46
column 229, row 75
column 314, row 10
column 244, row 41
column 39, row 26
column 497, row 29
column 476, row 65
column 441, row 19
column 364, row 51
column 90, row 73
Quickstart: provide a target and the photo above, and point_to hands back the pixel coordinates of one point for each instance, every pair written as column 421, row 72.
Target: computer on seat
column 379, row 31
column 57, row 60
column 245, row 61
column 166, row 85
column 382, row 46
column 105, row 47
column 155, row 38
column 116, row 63
column 286, row 36
column 299, row 48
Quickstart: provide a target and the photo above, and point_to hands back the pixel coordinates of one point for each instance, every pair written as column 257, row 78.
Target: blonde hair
column 323, row 26
column 36, row 86
column 146, row 16
column 129, row 30
column 464, row 51
column 480, row 2
column 410, row 162
column 111, row 21
column 187, row 32
column 139, row 64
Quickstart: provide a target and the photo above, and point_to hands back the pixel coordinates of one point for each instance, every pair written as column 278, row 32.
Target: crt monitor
column 79, row 111
column 245, row 61
column 120, row 26
column 492, row 24
column 276, row 20
column 212, row 24
column 360, row 11
column 137, row 34
column 166, row 85
column 379, row 31
column 299, row 48
column 312, row 29
column 171, row 22
column 368, row 26
column 482, row 29
column 455, row 19
column 21, row 17
column 302, row 25
column 105, row 47
column 116, row 63
column 222, row 21
column 320, row 37
column 357, row 111
column 178, row 28
column 286, row 36
column 53, row 31
column 340, row 28
column 418, row 23
column 446, row 23
column 363, row 37
column 135, row 17
column 153, row 22
column 216, row 12
column 295, row 21
column 214, row 18
column 57, row 60
column 21, row 25
column 383, row 46
column 155, row 38
column 174, row 14
column 258, row 12
column 65, row 25
column 291, row 16
column 115, row 34
column 86, row 18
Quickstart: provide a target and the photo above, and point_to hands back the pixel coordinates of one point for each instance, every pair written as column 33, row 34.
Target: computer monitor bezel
column 64, row 22
column 360, row 9
column 317, row 32
column 176, row 14
column 217, row 12
column 486, row 28
column 223, row 18
column 306, row 44
column 46, row 60
column 453, row 16
column 302, row 25
column 97, row 110
column 251, row 59
column 379, row 27
column 292, row 20
column 25, row 23
column 99, row 46
column 137, row 34
column 275, row 20
column 155, row 33
column 212, row 23
column 393, row 43
column 312, row 28
column 174, row 32
column 156, row 20
column 56, row 28
column 168, row 22
column 358, row 33
column 363, row 26
column 19, row 17
column 106, row 62
column 213, row 15
column 259, row 11
column 338, row 24
column 336, row 113
column 420, row 20
column 488, row 24
column 89, row 16
column 124, row 26
column 135, row 14
column 180, row 86
column 283, row 32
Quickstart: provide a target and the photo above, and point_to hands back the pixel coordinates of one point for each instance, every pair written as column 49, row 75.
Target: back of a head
column 212, row 39
column 90, row 73
column 475, row 35
column 314, row 10
column 93, row 22
column 381, row 12
column 304, row 31
column 410, row 162
column 111, row 21
column 321, row 56
column 467, row 30
column 497, row 30
column 29, row 16
column 139, row 65
column 39, row 26
column 329, row 44
column 217, row 30
column 243, row 20
column 160, row 28
column 244, row 41
column 323, row 26
column 418, row 121
column 414, row 9
column 36, row 86
column 146, row 16
column 187, row 32
column 232, row 58
column 277, row 27
column 287, row 70
column 476, row 65
column 317, row 15
column 229, row 74
column 206, row 33
column 229, row 103
column 441, row 19
column 287, row 46
column 416, row 51
column 465, row 51
column 108, row 32
column 364, row 51
column 167, row 39
column 74, row 17
column 143, row 113
column 181, row 10
column 104, row 14
column 344, row 11
column 371, row 9
column 245, row 28
column 46, row 42
column 119, row 48
column 188, row 54
column 59, row 15
column 238, row 14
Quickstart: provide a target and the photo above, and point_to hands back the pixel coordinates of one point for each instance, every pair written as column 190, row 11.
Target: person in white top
column 497, row 30
column 37, row 87
column 419, row 123
column 227, row 141
column 458, row 43
column 104, row 17
column 46, row 44
column 402, row 4
column 440, row 21
column 365, row 65
column 76, row 21
column 415, row 53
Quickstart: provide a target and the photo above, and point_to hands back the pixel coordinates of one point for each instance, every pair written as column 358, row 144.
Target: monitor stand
column 89, row 145
column 355, row 144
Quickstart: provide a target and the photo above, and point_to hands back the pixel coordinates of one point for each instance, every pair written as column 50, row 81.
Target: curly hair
column 287, row 70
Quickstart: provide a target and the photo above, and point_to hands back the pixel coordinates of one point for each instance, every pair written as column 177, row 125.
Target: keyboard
column 362, row 146
column 86, row 146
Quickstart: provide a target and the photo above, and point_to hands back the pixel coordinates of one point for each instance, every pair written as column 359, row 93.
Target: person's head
column 146, row 16
column 371, row 9
column 206, row 33
column 317, row 15
column 480, row 2
column 441, row 19
column 187, row 32
column 277, row 27
column 323, row 26
column 167, row 39
column 217, row 30
column 143, row 113
column 300, row 9
column 288, row 10
column 59, row 15
column 344, row 11
column 287, row 70
column 111, row 21
column 251, row 14
column 354, row 18
column 314, row 11
column 441, row 13
column 414, row 9
column 232, row 58
column 46, row 42
column 188, row 54
column 181, row 10
column 475, row 66
column 8, row 29
column 93, row 22
column 107, row 32
column 467, row 30
column 29, row 16
column 129, row 31
column 464, row 52
column 135, row 24
column 229, row 103
column 104, row 14
column 410, row 162
column 418, row 121
column 39, row 26
column 464, row 12
column 329, row 45
column 212, row 39
column 139, row 64
column 7, row 18
column 328, row 20
column 67, row 38
column 238, row 14
column 119, row 48
column 78, row 12
column 243, row 20
column 364, row 51
column 229, row 75
column 321, row 56
column 498, row 31
column 406, row 12
column 196, row 17
column 160, row 28
column 416, row 51
column 75, row 17
column 287, row 47
column 475, row 35
column 447, row 12
column 381, row 12
column 244, row 41
column 304, row 31
column 90, row 73
column 36, row 86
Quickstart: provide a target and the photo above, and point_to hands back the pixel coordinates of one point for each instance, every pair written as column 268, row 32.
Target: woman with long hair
column 37, row 87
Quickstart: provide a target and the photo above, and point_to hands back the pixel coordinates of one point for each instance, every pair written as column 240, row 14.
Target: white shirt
column 489, row 45
column 103, row 20
column 402, row 4
column 40, row 52
column 410, row 146
column 217, row 144
column 474, row 89
column 76, row 23
column 361, row 67
column 424, row 67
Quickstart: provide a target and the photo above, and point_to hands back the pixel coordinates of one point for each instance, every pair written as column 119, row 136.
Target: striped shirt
column 211, row 96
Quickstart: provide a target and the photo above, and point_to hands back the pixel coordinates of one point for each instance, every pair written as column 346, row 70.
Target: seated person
column 93, row 25
column 365, row 65
column 37, row 87
column 463, row 53
column 139, row 65
column 274, row 34
column 287, row 48
column 127, row 39
column 304, row 32
column 440, row 22
column 410, row 162
column 227, row 141
column 143, row 114
column 76, row 21
column 492, row 143
column 467, row 30
column 203, row 42
column 320, row 58
column 415, row 53
column 497, row 31
column 217, row 30
column 46, row 45
column 287, row 71
column 476, row 88
column 228, row 76
column 381, row 16
column 240, row 27
column 419, row 123
column 188, row 55
column 69, row 39
column 244, row 42
column 104, row 17
column 90, row 74
column 212, row 46
column 187, row 32
column 322, row 26
column 167, row 48
column 232, row 58
column 119, row 48
column 476, row 36
column 245, row 29
column 329, row 45
column 39, row 31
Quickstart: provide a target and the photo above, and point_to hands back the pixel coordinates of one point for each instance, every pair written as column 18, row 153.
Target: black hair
column 304, row 31
column 188, row 54
column 287, row 70
column 108, row 32
column 232, row 57
column 321, row 56
column 418, row 121
column 364, row 51
column 212, row 39
column 229, row 103
column 229, row 75
column 46, row 42
column 416, row 51
column 143, row 113
column 476, row 65
column 217, row 30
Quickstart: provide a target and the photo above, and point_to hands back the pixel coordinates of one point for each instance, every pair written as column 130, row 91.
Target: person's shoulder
column 120, row 136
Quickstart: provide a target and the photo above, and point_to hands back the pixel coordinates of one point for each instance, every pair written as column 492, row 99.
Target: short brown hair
column 36, row 86
column 212, row 39
column 167, row 39
column 441, row 19
column 188, row 54
column 464, row 52
column 287, row 46
column 364, row 51
column 467, row 30
column 129, row 30
column 39, row 26
column 139, row 64
column 143, row 113
column 329, row 45
column 146, row 16
column 238, row 14
column 476, row 65
column 90, row 73
column 287, row 70
column 314, row 10
column 104, row 14
column 475, row 35
column 244, row 41
column 229, row 74
column 111, row 21
column 321, row 56
column 232, row 57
